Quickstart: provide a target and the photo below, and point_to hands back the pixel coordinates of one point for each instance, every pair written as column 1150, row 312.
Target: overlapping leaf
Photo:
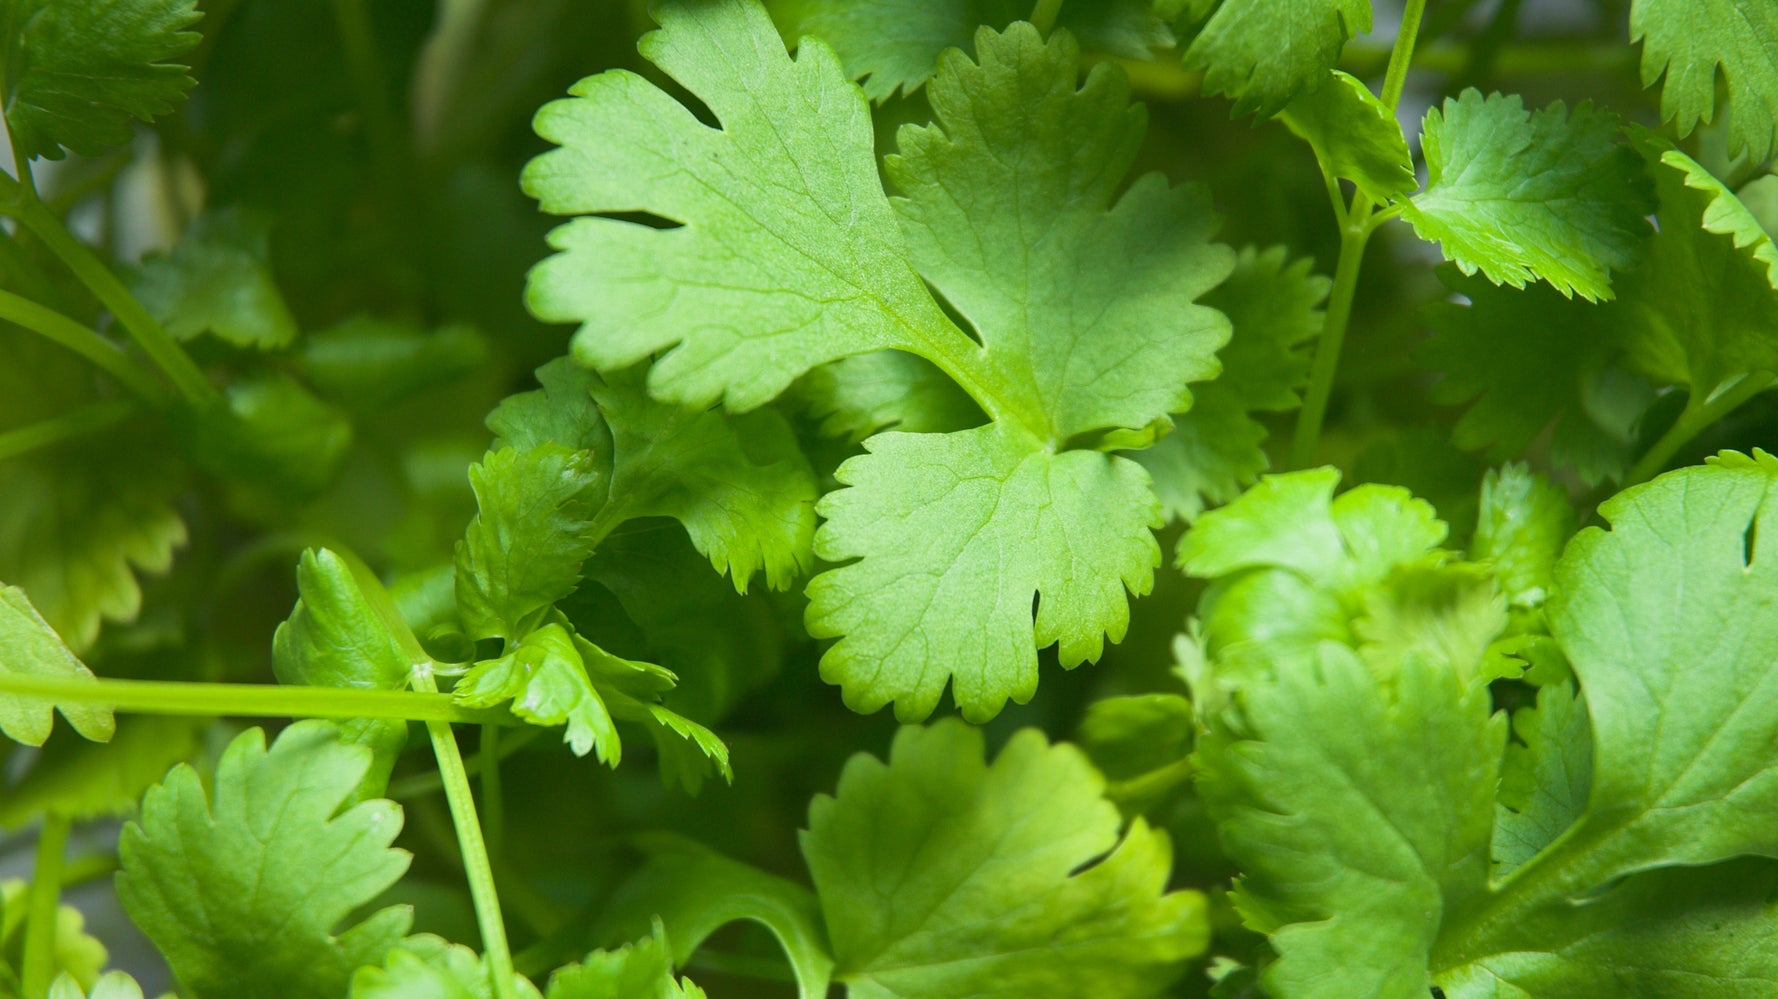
column 1264, row 53
column 1691, row 41
column 1355, row 137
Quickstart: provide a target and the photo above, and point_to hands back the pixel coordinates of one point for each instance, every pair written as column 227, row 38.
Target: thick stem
column 155, row 341
column 1696, row 418
column 476, row 866
column 38, row 966
column 85, row 420
column 1044, row 15
column 207, row 700
column 1333, row 337
column 105, row 355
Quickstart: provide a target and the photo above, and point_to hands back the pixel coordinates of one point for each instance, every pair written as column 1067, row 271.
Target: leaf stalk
column 38, row 965
column 246, row 700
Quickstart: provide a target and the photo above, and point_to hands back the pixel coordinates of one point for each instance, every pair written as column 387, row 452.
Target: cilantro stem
column 477, row 868
column 1356, row 226
column 247, row 700
column 493, row 796
column 85, row 420
column 1694, row 420
column 148, row 333
column 104, row 354
column 1044, row 15
column 38, row 965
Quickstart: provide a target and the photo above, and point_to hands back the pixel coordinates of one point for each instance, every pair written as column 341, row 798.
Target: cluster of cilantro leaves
column 903, row 343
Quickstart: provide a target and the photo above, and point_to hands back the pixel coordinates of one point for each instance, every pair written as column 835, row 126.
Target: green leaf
column 1215, row 449
column 368, row 363
column 1525, row 520
column 940, row 875
column 1355, row 137
column 429, row 967
column 75, row 953
column 562, row 412
column 1264, row 53
column 1667, row 619
column 1690, row 42
column 642, row 970
column 523, row 550
column 740, row 485
column 1445, row 613
column 1545, row 778
column 85, row 780
column 692, row 891
column 1085, row 305
column 244, row 890
column 77, row 71
column 1142, row 745
column 891, row 45
column 782, row 228
column 1533, row 359
column 270, row 433
column 954, row 534
column 1677, row 934
column 546, row 680
column 74, row 536
column 855, row 397
column 218, row 280
column 1358, row 802
column 29, row 647
column 1519, row 195
column 110, row 985
column 1701, row 311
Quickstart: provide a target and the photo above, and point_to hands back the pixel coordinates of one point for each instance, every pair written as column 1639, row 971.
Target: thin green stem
column 90, row 867
column 246, row 700
column 1309, row 419
column 429, row 783
column 1402, row 55
column 85, row 420
column 1044, row 15
column 38, row 966
column 476, row 866
column 493, row 797
column 1696, row 418
column 155, row 341
column 104, row 354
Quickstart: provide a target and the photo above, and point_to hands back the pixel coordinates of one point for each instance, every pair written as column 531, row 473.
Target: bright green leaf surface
column 334, row 636
column 1215, row 449
column 642, row 970
column 1355, row 137
column 942, row 876
column 1263, row 53
column 786, row 254
column 546, row 681
column 1525, row 520
column 245, row 890
column 855, row 397
column 218, row 280
column 523, row 550
column 29, row 647
column 954, row 534
column 1086, row 307
column 1545, row 778
column 111, row 985
column 1520, row 195
column 429, row 967
column 78, row 71
column 1359, row 805
column 1690, row 41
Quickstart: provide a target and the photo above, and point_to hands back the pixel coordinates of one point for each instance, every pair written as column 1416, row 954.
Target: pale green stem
column 1400, row 57
column 246, row 700
column 155, row 341
column 38, row 967
column 1696, row 417
column 85, row 420
column 477, row 869
column 47, row 322
column 1044, row 15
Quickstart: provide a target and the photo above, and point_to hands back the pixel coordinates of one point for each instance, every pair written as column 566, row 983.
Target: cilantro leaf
column 1263, row 53
column 1011, row 188
column 1354, row 136
column 86, row 780
column 1688, row 42
column 532, row 531
column 77, row 71
column 782, row 228
column 855, row 397
column 1684, row 728
column 940, row 875
column 368, row 363
column 1545, row 778
column 28, row 646
column 1519, row 195
column 642, row 970
column 269, row 433
column 77, row 954
column 546, row 680
column 954, row 534
column 429, row 967
column 110, row 985
column 1215, row 449
column 218, row 280
column 1358, row 802
column 1530, row 359
column 243, row 890
column 1141, row 743
column 1523, row 523
column 895, row 45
